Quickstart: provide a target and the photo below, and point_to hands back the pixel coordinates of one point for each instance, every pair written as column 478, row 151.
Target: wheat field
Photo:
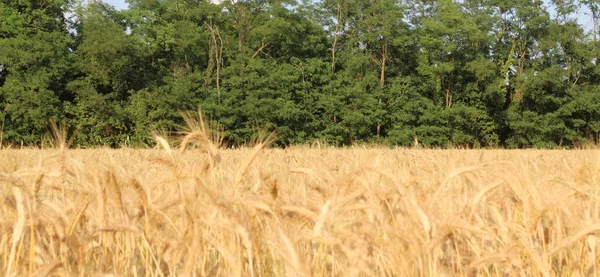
column 301, row 211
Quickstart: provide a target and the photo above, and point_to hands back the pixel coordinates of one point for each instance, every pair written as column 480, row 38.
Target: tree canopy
column 471, row 73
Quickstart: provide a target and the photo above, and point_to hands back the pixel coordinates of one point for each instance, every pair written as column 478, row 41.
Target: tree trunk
column 338, row 28
column 217, row 45
column 450, row 87
column 383, row 60
column 384, row 51
column 448, row 97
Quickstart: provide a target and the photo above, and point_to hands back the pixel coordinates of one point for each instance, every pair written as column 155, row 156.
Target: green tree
column 36, row 61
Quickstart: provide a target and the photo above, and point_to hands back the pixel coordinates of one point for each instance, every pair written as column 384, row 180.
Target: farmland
column 299, row 212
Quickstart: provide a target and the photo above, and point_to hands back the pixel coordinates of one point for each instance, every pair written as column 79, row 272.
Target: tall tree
column 36, row 60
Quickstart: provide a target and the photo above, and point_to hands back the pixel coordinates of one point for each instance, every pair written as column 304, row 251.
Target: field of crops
column 299, row 212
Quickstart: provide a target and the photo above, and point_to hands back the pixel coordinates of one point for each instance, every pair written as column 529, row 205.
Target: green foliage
column 444, row 73
column 35, row 60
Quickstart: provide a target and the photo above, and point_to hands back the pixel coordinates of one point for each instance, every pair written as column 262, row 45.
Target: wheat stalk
column 11, row 269
column 160, row 141
column 262, row 141
column 47, row 270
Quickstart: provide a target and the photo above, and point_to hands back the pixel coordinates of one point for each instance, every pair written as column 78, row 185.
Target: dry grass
column 299, row 212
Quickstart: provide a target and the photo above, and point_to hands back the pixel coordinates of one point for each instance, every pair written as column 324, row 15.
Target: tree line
column 470, row 73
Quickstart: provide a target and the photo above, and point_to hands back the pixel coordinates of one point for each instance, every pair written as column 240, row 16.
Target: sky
column 584, row 20
column 119, row 4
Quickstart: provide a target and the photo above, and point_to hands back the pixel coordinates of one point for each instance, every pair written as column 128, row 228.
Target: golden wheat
column 299, row 212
